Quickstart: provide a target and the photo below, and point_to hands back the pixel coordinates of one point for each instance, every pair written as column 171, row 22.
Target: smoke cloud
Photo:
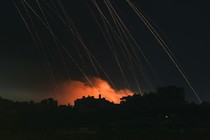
column 72, row 90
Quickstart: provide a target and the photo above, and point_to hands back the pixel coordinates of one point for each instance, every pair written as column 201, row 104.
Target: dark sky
column 184, row 24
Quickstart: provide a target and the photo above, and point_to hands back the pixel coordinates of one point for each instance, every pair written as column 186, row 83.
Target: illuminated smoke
column 72, row 90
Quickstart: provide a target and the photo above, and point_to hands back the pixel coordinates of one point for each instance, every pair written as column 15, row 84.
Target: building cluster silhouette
column 91, row 103
column 163, row 112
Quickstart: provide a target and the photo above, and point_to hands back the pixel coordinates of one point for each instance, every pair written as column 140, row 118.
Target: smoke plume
column 72, row 90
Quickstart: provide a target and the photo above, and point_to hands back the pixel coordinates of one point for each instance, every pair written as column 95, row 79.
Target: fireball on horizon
column 72, row 90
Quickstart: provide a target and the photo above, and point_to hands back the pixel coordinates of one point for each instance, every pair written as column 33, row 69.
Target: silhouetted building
column 165, row 98
column 50, row 103
column 171, row 95
column 91, row 103
column 65, row 107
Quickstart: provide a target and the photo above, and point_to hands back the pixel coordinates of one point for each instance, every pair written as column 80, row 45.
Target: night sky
column 184, row 25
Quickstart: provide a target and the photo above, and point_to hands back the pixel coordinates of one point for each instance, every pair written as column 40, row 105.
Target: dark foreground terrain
column 164, row 115
column 106, row 137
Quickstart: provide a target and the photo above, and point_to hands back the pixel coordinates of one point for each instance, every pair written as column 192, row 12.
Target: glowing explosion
column 73, row 90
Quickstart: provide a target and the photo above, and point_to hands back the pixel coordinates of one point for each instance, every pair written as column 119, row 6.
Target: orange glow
column 72, row 90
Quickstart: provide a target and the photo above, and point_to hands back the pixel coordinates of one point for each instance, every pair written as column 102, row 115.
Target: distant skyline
column 183, row 24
